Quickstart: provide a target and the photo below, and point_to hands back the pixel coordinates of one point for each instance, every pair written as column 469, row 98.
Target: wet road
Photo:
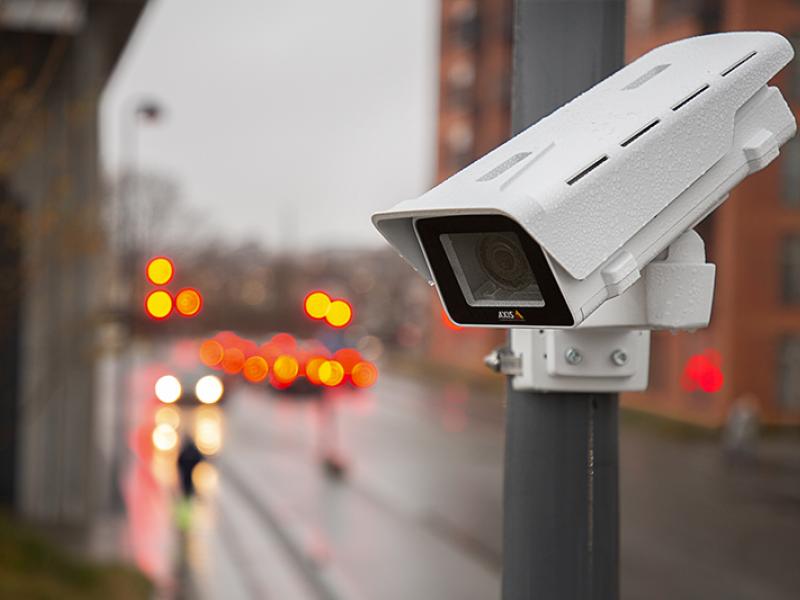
column 419, row 513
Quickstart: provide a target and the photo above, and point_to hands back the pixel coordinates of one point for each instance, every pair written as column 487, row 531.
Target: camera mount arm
column 610, row 351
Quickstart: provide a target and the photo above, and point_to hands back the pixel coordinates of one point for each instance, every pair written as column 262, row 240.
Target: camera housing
column 566, row 215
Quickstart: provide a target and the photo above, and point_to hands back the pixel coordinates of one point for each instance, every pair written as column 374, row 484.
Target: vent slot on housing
column 738, row 64
column 639, row 133
column 587, row 170
column 690, row 97
column 504, row 166
column 642, row 79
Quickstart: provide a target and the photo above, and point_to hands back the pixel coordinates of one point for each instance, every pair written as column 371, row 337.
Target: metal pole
column 561, row 508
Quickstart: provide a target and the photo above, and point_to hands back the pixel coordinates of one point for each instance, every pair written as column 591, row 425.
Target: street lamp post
column 125, row 238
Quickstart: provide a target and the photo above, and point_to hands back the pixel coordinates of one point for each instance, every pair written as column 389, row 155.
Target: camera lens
column 504, row 262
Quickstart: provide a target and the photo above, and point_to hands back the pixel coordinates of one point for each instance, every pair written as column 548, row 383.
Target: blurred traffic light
column 317, row 304
column 188, row 302
column 158, row 304
column 337, row 313
column 160, row 270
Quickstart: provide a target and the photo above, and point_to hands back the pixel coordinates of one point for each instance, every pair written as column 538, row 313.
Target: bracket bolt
column 619, row 357
column 573, row 356
column 492, row 360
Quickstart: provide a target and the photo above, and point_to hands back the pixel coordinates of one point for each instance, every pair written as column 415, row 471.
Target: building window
column 791, row 269
column 790, row 173
column 460, row 81
column 789, row 374
column 464, row 24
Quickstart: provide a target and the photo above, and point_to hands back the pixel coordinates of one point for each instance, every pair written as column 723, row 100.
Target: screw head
column 492, row 360
column 573, row 356
column 619, row 357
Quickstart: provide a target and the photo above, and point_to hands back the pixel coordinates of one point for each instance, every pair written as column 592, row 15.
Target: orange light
column 158, row 304
column 340, row 313
column 188, row 302
column 232, row 360
column 348, row 357
column 285, row 369
column 317, row 305
column 255, row 369
column 211, row 353
column 364, row 374
column 331, row 373
column 159, row 270
column 448, row 323
column 312, row 369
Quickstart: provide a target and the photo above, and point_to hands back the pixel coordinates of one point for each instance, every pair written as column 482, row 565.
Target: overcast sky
column 287, row 121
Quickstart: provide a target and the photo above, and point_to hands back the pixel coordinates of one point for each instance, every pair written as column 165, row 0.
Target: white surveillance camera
column 566, row 215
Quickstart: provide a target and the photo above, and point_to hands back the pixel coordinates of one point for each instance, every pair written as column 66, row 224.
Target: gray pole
column 561, row 508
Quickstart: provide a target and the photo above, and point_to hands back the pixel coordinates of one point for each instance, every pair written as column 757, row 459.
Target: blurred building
column 474, row 118
column 751, row 351
column 55, row 58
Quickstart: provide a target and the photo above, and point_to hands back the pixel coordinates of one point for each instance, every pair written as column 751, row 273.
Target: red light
column 270, row 352
column 284, row 341
column 232, row 361
column 703, row 372
column 228, row 339
column 348, row 358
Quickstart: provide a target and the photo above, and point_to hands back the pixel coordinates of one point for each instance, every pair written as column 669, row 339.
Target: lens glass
column 492, row 269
